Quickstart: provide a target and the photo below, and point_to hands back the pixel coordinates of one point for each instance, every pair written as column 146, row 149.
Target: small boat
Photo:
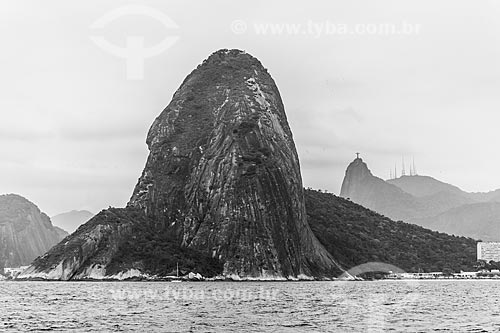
column 178, row 279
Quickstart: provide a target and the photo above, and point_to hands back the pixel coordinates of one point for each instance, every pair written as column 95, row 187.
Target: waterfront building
column 488, row 251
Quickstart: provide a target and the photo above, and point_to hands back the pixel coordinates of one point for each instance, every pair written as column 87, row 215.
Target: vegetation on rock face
column 352, row 234
column 158, row 253
column 355, row 235
column 122, row 239
column 98, row 234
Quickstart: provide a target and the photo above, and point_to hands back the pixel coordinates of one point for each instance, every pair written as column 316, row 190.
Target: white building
column 465, row 275
column 488, row 251
column 14, row 271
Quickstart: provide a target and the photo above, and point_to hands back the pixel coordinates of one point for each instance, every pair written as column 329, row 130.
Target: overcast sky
column 74, row 123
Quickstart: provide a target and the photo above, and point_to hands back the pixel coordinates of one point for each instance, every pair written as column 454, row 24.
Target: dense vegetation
column 140, row 246
column 491, row 265
column 158, row 252
column 355, row 235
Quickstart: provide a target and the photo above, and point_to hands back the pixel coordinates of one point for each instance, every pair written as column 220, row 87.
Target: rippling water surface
column 399, row 306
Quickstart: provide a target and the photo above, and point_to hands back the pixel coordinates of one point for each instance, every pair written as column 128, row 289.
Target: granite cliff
column 25, row 232
column 222, row 180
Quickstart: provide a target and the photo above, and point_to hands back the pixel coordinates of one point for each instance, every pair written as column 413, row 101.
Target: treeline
column 157, row 252
column 355, row 235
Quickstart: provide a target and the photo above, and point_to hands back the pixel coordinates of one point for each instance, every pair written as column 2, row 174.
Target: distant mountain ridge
column 421, row 186
column 425, row 201
column 355, row 235
column 25, row 232
column 70, row 221
column 395, row 199
column 479, row 220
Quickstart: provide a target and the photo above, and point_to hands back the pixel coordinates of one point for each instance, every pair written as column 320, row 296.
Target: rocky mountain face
column 25, row 232
column 222, row 179
column 70, row 221
column 424, row 201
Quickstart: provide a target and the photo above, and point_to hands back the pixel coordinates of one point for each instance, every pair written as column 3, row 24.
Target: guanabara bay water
column 376, row 306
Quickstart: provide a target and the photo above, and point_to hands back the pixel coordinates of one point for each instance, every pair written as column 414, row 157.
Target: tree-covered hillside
column 355, row 235
column 157, row 252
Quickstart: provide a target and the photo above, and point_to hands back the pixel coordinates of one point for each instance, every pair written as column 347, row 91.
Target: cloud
column 91, row 133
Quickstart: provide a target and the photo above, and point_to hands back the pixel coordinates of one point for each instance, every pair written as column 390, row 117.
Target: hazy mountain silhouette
column 421, row 186
column 25, row 232
column 396, row 202
column 70, row 221
column 478, row 220
column 425, row 201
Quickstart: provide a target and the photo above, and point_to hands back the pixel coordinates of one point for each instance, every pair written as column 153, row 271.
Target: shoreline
column 247, row 281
